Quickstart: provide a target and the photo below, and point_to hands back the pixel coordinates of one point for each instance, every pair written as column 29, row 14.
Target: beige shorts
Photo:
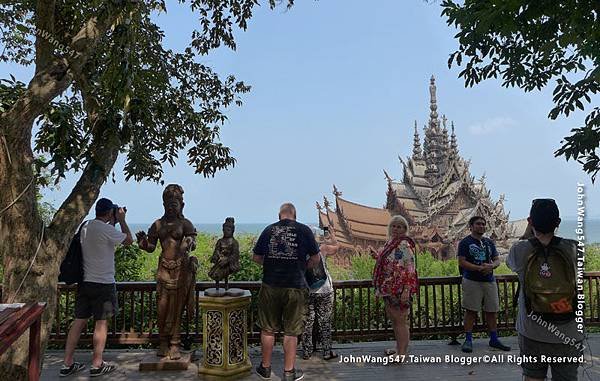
column 475, row 294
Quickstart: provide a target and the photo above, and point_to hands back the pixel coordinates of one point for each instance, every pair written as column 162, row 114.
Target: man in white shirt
column 97, row 295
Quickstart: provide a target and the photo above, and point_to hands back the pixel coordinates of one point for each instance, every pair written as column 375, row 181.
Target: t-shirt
column 536, row 328
column 98, row 243
column 285, row 246
column 477, row 252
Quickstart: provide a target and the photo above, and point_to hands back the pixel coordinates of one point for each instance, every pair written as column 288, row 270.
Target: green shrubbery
column 134, row 264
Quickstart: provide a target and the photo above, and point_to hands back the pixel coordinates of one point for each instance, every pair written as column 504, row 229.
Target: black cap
column 544, row 215
column 104, row 205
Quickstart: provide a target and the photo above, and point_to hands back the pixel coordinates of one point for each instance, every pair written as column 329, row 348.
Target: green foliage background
column 133, row 264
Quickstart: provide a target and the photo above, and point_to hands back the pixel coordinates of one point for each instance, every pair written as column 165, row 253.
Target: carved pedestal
column 225, row 339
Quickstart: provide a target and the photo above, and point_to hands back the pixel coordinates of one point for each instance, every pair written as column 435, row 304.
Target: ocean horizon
column 566, row 229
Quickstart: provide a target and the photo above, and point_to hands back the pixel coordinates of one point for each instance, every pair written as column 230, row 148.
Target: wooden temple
column 437, row 195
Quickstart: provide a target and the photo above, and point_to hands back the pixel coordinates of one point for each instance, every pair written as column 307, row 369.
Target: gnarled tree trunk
column 21, row 240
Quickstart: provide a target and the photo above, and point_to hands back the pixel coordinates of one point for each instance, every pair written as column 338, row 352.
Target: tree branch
column 44, row 23
column 56, row 77
column 79, row 202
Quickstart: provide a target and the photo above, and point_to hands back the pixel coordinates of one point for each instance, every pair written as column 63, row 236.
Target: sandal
column 329, row 356
column 389, row 352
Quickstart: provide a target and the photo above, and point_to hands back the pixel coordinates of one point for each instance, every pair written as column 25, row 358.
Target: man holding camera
column 97, row 295
column 546, row 321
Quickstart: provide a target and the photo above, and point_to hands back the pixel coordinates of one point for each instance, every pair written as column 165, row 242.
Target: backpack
column 549, row 287
column 71, row 268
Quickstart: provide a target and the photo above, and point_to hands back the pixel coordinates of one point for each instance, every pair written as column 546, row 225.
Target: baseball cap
column 104, row 205
column 544, row 215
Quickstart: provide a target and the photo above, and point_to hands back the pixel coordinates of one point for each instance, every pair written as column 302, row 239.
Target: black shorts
column 96, row 299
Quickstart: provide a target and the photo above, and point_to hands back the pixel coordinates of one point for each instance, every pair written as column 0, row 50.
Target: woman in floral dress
column 395, row 279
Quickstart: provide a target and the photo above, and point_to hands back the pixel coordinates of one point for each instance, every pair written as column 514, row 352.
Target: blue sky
column 336, row 88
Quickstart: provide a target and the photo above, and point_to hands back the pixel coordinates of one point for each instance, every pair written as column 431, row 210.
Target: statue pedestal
column 152, row 362
column 225, row 339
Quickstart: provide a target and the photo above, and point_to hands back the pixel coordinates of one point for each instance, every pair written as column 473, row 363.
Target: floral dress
column 395, row 276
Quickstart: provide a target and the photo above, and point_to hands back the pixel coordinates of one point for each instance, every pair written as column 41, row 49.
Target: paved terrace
column 317, row 369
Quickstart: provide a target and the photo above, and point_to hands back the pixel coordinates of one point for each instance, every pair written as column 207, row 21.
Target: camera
column 116, row 209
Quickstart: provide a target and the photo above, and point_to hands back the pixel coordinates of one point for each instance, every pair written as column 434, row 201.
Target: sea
column 567, row 228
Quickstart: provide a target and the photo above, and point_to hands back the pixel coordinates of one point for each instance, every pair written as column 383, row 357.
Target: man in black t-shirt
column 282, row 249
column 477, row 258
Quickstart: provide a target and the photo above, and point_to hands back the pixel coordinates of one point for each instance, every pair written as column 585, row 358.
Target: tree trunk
column 20, row 234
column 21, row 230
column 21, row 226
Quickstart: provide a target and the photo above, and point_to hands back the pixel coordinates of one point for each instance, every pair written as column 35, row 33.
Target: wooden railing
column 358, row 316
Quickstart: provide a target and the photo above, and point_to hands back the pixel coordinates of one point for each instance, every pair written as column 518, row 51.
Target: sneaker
column 498, row 345
column 69, row 370
column 467, row 346
column 293, row 375
column 264, row 373
column 329, row 355
column 105, row 368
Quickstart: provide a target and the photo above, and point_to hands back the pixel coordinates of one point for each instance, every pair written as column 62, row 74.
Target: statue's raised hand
column 142, row 239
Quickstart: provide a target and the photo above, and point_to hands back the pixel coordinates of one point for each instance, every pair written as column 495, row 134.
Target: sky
column 336, row 88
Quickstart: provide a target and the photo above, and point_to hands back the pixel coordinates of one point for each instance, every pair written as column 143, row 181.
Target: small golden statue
column 226, row 259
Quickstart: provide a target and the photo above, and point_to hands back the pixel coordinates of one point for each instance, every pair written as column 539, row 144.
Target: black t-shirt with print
column 286, row 246
column 477, row 252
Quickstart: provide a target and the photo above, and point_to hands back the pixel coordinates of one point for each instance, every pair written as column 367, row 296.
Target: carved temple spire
column 326, row 202
column 417, row 154
column 433, row 115
column 453, row 144
column 387, row 176
column 444, row 133
column 319, row 206
column 336, row 192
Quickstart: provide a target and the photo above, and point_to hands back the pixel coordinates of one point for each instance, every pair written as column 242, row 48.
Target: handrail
column 358, row 314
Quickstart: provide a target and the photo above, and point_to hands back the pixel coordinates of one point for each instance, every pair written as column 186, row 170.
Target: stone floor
column 317, row 369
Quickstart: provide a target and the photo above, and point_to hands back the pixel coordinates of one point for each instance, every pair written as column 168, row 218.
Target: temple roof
column 436, row 192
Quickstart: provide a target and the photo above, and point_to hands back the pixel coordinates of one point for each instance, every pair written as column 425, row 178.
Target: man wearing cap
column 536, row 338
column 97, row 296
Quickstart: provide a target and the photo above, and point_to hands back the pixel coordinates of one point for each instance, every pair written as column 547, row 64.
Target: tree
column 529, row 43
column 104, row 85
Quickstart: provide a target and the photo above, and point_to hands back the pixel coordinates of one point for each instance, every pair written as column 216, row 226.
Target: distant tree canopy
column 529, row 44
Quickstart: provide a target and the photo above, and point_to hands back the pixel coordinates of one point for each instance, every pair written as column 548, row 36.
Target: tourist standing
column 97, row 295
column 320, row 304
column 282, row 249
column 477, row 258
column 395, row 279
column 546, row 262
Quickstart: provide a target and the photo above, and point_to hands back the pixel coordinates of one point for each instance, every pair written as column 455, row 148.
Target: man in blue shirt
column 477, row 258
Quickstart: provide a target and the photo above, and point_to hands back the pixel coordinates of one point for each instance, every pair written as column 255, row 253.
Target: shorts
column 96, row 299
column 560, row 371
column 282, row 309
column 474, row 294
